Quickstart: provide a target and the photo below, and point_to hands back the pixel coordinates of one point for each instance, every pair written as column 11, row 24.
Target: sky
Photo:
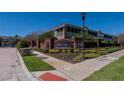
column 23, row 23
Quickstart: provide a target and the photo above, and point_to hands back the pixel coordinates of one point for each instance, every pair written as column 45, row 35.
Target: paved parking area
column 7, row 61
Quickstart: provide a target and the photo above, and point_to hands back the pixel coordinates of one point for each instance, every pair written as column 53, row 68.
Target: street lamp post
column 83, row 39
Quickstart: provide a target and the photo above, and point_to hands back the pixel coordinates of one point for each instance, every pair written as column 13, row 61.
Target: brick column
column 37, row 44
column 49, row 43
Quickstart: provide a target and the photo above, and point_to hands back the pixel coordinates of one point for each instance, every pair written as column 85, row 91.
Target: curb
column 21, row 70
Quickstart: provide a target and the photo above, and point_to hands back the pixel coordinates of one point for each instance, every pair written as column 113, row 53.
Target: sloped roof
column 62, row 25
column 66, row 24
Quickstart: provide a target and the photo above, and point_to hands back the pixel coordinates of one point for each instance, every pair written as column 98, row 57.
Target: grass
column 34, row 63
column 111, row 72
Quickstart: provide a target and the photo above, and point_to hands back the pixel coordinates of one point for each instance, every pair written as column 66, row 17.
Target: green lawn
column 34, row 63
column 111, row 72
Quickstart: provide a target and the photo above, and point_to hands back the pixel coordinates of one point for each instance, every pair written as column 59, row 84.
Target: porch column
column 64, row 32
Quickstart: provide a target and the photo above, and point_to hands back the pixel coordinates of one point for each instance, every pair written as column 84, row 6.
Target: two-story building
column 64, row 37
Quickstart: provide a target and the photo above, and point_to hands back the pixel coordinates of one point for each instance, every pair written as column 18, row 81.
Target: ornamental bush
column 64, row 51
column 87, row 56
column 45, row 50
column 110, row 50
column 77, row 50
column 101, row 52
column 78, row 58
column 25, row 52
column 90, row 51
column 91, row 55
column 54, row 51
column 22, row 44
column 70, row 51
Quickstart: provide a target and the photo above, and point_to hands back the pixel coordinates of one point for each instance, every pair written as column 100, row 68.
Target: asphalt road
column 7, row 61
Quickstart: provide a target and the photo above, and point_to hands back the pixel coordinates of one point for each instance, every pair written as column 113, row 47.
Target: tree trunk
column 31, row 43
column 121, row 45
column 98, row 43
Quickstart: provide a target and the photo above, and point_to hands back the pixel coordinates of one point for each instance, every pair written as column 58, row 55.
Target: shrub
column 53, row 51
column 25, row 52
column 22, row 44
column 64, row 51
column 78, row 58
column 45, row 50
column 110, row 50
column 101, row 49
column 87, row 56
column 70, row 51
column 91, row 55
column 90, row 51
column 77, row 50
column 35, row 48
column 101, row 52
column 107, row 50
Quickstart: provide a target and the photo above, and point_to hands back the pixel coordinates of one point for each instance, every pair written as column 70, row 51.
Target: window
column 62, row 45
column 59, row 32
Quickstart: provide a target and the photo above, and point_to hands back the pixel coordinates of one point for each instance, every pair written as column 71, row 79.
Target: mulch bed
column 68, row 57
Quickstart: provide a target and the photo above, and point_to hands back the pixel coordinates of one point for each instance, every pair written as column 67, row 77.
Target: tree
column 22, row 44
column 45, row 35
column 121, row 39
column 83, row 36
column 87, row 36
column 16, row 39
column 115, row 40
column 97, row 40
column 1, row 39
column 31, row 38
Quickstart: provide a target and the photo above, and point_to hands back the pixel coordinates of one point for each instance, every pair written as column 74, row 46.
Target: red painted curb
column 51, row 77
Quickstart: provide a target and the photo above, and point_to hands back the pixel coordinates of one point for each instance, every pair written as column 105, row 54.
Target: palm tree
column 45, row 35
column 87, row 36
column 97, row 40
column 84, row 36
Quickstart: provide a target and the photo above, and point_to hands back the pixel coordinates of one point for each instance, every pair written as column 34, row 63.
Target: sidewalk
column 81, row 70
column 56, row 63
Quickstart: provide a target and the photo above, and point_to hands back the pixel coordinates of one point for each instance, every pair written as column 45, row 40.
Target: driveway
column 7, row 61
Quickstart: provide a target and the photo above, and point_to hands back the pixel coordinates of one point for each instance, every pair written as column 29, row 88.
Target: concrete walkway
column 81, row 70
